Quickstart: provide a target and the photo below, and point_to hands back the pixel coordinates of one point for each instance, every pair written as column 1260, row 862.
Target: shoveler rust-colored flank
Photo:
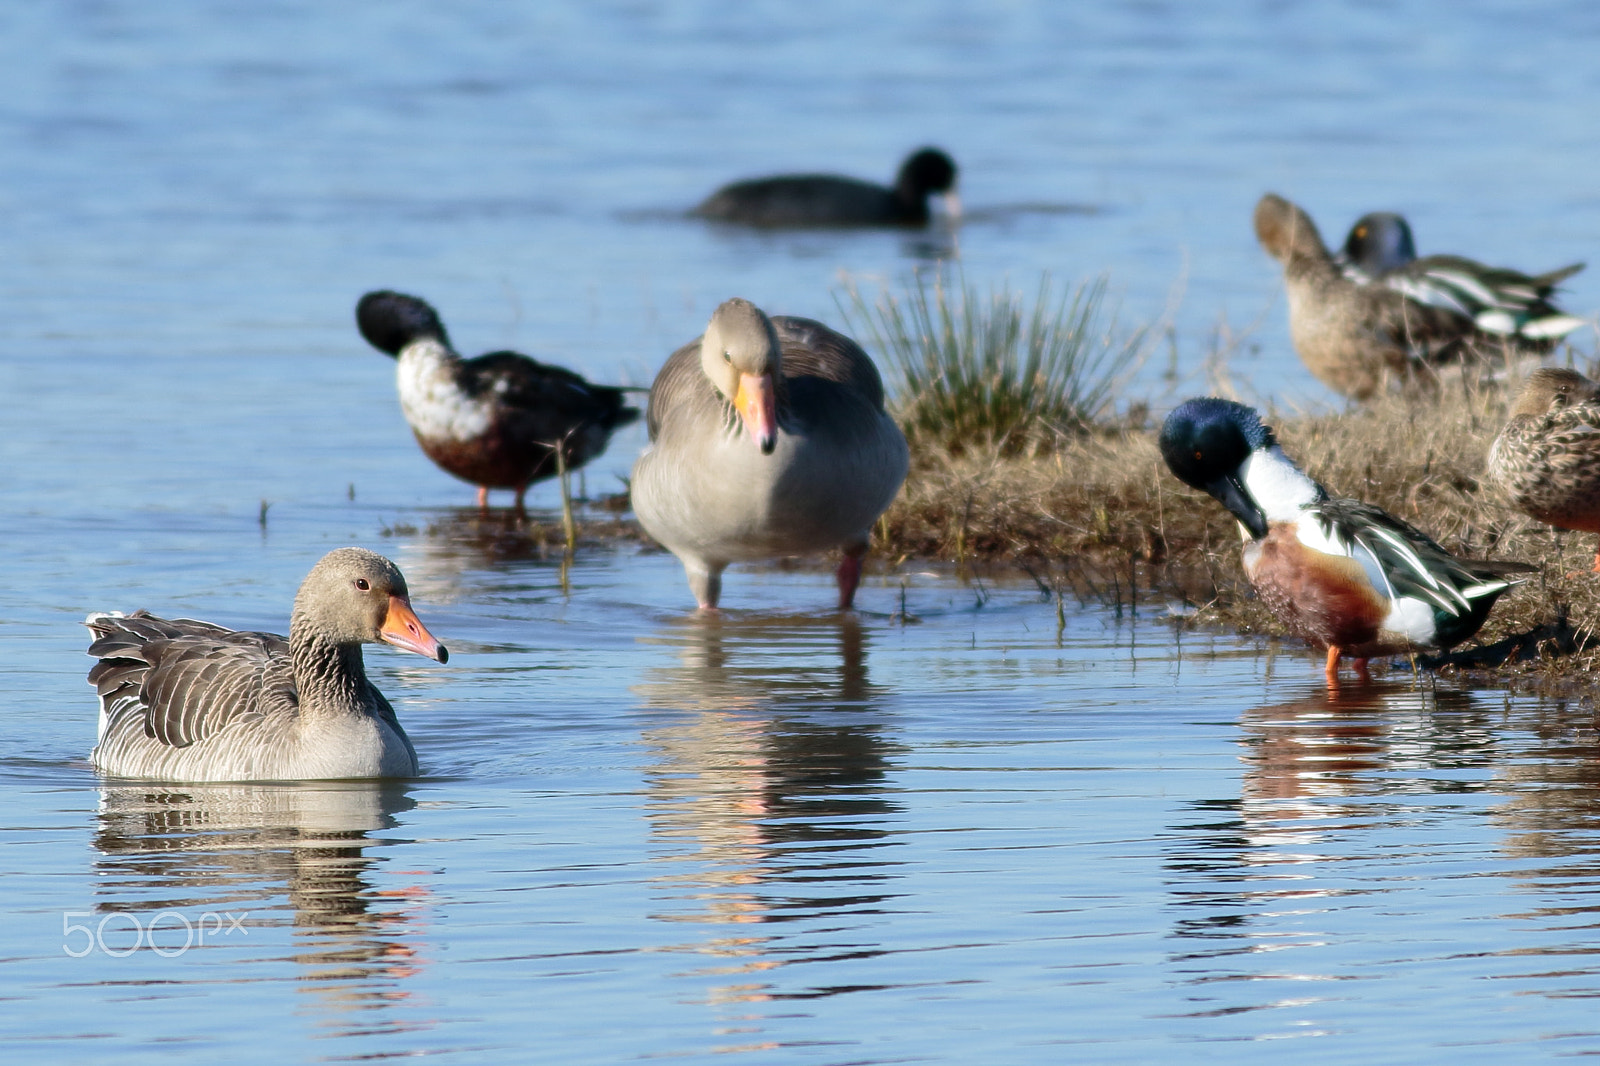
column 182, row 700
column 495, row 420
column 1360, row 339
column 768, row 438
column 1547, row 458
column 1380, row 250
column 1338, row 573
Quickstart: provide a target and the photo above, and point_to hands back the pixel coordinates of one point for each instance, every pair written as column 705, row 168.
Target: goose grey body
column 723, row 481
column 182, row 700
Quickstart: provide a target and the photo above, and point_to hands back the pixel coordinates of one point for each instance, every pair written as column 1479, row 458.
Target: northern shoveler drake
column 1380, row 250
column 1338, row 573
column 768, row 438
column 1547, row 458
column 830, row 200
column 1357, row 339
column 182, row 700
column 494, row 420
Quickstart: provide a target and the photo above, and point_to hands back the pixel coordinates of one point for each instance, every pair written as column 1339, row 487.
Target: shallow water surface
column 952, row 835
column 944, row 829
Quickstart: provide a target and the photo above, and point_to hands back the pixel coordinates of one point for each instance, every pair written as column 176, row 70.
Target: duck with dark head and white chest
column 768, row 438
column 1338, row 573
column 494, row 420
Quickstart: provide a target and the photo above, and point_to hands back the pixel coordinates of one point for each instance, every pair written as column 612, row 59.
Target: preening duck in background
column 1359, row 338
column 1380, row 250
column 1338, row 573
column 768, row 438
column 182, row 700
column 494, row 420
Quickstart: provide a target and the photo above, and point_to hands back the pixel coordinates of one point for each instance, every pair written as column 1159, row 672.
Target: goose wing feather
column 187, row 680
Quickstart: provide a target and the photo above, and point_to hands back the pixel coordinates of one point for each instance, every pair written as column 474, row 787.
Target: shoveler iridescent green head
column 1547, row 458
column 1381, row 251
column 1338, row 573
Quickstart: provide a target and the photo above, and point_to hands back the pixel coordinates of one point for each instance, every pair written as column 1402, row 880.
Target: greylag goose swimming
column 494, row 420
column 182, row 700
column 831, row 200
column 768, row 437
column 1357, row 338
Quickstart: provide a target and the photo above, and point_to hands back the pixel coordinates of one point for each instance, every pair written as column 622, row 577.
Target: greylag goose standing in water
column 493, row 420
column 768, row 437
column 832, row 200
column 182, row 700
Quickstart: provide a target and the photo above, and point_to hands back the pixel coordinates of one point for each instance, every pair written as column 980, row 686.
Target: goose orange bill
column 405, row 630
column 757, row 404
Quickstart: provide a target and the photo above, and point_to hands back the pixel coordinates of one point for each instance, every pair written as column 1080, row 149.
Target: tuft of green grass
column 974, row 370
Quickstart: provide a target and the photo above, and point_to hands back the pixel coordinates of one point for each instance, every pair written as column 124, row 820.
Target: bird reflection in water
column 261, row 849
column 466, row 554
column 1313, row 768
column 767, row 793
column 1549, row 808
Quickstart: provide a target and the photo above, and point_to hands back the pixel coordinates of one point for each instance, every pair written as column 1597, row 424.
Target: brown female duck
column 1357, row 338
column 182, row 700
column 1547, row 458
column 768, row 437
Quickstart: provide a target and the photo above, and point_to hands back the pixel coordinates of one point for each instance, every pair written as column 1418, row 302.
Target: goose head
column 354, row 596
column 390, row 321
column 741, row 355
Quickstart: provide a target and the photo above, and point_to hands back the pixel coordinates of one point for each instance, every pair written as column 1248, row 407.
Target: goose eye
column 727, row 357
column 361, row 583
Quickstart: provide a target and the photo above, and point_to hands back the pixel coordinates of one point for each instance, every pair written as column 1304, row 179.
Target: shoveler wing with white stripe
column 1411, row 565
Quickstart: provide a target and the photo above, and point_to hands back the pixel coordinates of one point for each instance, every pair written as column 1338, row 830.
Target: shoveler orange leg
column 1332, row 671
column 483, row 497
column 849, row 575
column 1597, row 562
column 1361, row 670
column 522, row 490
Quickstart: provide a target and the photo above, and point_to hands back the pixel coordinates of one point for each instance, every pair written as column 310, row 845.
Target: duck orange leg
column 1332, row 672
column 483, row 497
